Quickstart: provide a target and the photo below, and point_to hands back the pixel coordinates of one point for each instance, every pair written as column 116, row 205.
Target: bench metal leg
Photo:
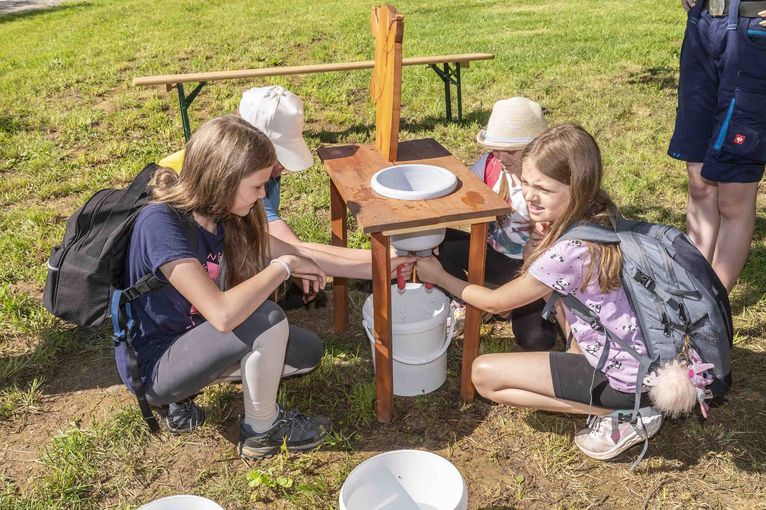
column 451, row 76
column 184, row 102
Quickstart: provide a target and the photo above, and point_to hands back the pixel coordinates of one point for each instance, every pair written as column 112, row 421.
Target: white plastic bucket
column 182, row 502
column 420, row 337
column 404, row 480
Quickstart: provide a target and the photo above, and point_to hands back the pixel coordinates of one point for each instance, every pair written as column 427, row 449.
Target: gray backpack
column 674, row 293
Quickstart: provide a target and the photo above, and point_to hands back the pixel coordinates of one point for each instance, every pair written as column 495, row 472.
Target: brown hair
column 568, row 154
column 219, row 155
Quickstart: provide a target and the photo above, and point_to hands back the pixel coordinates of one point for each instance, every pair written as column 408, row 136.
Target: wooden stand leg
column 339, row 238
column 381, row 292
column 476, row 261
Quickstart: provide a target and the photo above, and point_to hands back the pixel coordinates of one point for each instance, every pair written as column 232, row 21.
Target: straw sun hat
column 512, row 125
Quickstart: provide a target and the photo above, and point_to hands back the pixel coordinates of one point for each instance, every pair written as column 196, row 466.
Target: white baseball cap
column 279, row 113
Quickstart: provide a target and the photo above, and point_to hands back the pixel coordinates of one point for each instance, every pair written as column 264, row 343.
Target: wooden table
column 350, row 168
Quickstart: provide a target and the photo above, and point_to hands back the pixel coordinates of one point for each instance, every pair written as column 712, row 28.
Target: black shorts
column 572, row 376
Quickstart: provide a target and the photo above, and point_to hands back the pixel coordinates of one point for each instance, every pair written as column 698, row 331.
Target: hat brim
column 295, row 155
column 510, row 146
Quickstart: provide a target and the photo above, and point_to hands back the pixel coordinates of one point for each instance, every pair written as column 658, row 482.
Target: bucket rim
column 398, row 452
column 416, row 327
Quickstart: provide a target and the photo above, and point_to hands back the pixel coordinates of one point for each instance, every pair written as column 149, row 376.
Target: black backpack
column 86, row 269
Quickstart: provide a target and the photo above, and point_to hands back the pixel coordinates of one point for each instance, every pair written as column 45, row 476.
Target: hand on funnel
column 429, row 269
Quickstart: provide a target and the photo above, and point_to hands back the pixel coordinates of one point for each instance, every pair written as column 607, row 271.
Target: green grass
column 71, row 123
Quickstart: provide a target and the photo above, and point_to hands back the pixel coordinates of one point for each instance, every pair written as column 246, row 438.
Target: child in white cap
column 513, row 124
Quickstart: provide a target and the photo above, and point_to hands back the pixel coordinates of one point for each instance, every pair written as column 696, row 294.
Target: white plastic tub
column 414, row 182
column 420, row 337
column 182, row 502
column 404, row 480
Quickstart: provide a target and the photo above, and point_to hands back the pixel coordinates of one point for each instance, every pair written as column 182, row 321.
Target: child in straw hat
column 512, row 125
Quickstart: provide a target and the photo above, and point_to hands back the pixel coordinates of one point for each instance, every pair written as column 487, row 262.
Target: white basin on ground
column 418, row 241
column 414, row 182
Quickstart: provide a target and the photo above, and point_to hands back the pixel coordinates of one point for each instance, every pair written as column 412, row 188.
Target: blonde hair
column 568, row 154
column 219, row 155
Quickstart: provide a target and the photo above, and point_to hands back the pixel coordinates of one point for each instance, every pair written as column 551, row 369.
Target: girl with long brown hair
column 561, row 178
column 205, row 234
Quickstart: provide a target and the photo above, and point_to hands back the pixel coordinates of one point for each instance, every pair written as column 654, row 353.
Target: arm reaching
column 518, row 292
column 337, row 265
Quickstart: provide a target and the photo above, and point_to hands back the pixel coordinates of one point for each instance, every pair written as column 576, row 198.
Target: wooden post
column 339, row 238
column 381, row 300
column 386, row 85
column 476, row 260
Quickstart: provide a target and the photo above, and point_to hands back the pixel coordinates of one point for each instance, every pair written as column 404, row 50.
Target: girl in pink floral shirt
column 561, row 180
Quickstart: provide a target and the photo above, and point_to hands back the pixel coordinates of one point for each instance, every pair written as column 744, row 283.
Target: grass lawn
column 70, row 124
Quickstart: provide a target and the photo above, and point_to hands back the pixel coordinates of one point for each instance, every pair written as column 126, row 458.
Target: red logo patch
column 739, row 139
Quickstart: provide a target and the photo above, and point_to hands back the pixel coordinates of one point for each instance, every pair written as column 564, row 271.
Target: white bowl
column 404, row 480
column 414, row 182
column 418, row 241
column 182, row 502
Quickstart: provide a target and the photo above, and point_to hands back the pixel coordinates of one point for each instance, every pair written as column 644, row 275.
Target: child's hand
column 429, row 269
column 688, row 4
column 407, row 264
column 311, row 276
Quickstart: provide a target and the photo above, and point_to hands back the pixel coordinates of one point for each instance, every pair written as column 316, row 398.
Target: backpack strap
column 591, row 232
column 123, row 323
column 123, row 326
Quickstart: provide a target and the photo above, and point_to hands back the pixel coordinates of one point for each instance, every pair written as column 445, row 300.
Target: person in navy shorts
column 720, row 126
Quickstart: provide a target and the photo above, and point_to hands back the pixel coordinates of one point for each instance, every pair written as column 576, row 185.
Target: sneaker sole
column 618, row 448
column 268, row 451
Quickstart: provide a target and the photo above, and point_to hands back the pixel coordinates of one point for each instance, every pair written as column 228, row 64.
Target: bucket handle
column 417, row 361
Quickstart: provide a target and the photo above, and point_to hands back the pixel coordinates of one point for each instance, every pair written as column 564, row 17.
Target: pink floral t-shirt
column 563, row 268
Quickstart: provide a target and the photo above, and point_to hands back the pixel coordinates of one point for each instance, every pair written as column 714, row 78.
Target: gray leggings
column 203, row 355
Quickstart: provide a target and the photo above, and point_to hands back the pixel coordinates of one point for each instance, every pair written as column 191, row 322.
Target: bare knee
column 736, row 207
column 481, row 375
column 700, row 189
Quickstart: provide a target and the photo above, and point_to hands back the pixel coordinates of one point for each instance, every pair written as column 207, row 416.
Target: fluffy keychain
column 681, row 383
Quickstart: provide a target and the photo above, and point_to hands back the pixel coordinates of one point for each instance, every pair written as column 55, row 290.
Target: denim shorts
column 721, row 116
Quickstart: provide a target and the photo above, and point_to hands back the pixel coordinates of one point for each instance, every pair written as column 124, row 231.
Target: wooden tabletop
column 352, row 166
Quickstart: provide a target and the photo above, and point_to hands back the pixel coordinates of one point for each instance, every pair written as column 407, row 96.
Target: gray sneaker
column 183, row 416
column 297, row 431
column 608, row 436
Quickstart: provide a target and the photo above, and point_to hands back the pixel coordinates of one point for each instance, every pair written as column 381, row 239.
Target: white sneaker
column 608, row 436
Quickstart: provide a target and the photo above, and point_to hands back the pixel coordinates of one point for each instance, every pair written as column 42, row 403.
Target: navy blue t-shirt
column 162, row 315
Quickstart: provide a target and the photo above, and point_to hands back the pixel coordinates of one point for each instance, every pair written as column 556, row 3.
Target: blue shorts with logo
column 721, row 117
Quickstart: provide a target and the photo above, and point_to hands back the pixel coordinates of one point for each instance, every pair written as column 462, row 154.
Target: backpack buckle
column 643, row 279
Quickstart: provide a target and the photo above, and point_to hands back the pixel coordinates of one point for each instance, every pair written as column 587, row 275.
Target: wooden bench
column 447, row 67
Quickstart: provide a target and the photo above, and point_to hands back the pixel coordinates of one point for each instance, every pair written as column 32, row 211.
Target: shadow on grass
column 662, row 77
column 425, row 126
column 9, row 9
